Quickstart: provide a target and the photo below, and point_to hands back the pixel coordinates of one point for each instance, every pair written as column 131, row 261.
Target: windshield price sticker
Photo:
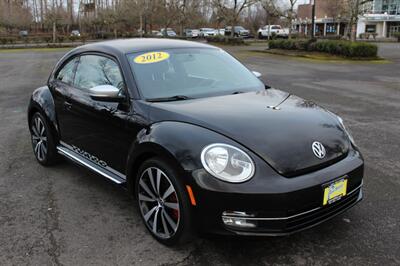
column 151, row 57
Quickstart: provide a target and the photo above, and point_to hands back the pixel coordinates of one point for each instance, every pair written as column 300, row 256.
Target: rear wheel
column 163, row 202
column 43, row 142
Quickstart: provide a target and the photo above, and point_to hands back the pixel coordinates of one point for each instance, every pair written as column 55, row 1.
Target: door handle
column 67, row 105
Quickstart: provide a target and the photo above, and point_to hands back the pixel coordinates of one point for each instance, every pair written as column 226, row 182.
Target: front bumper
column 276, row 205
column 278, row 226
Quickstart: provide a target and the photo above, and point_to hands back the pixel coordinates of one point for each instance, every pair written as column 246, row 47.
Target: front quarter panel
column 183, row 143
column 42, row 100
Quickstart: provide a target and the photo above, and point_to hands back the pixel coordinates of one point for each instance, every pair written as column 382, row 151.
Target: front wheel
column 43, row 142
column 163, row 202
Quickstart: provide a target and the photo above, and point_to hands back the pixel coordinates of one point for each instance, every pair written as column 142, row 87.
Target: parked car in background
column 156, row 33
column 272, row 30
column 168, row 32
column 238, row 31
column 221, row 32
column 75, row 33
column 207, row 32
column 192, row 33
column 23, row 33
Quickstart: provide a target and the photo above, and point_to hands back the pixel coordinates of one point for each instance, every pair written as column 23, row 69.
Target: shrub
column 36, row 39
column 48, row 39
column 226, row 40
column 342, row 48
column 73, row 38
column 12, row 40
column 84, row 37
column 60, row 38
column 397, row 35
column 25, row 39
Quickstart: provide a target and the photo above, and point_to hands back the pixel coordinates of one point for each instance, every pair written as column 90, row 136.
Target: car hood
column 277, row 126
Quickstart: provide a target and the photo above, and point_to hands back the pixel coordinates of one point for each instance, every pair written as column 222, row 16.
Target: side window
column 94, row 70
column 66, row 74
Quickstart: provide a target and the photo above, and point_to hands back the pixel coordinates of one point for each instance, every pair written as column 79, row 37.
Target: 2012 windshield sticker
column 151, row 57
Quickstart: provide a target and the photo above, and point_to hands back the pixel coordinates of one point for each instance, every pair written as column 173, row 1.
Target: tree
column 285, row 10
column 289, row 13
column 271, row 12
column 354, row 10
column 188, row 10
column 232, row 9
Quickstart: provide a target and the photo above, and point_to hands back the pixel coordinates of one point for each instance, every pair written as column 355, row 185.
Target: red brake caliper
column 175, row 213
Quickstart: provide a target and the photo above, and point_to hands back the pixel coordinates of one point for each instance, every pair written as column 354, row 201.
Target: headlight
column 345, row 130
column 227, row 163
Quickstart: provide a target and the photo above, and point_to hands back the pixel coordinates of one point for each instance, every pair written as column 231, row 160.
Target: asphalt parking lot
column 65, row 215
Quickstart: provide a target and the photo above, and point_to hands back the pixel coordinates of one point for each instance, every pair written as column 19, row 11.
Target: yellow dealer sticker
column 151, row 57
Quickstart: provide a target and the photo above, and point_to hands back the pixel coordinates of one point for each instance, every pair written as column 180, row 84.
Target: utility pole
column 313, row 19
column 54, row 31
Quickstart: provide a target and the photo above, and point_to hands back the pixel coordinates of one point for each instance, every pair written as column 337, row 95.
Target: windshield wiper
column 169, row 99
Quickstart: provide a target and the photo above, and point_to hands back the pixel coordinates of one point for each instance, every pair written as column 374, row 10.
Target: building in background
column 330, row 18
column 381, row 17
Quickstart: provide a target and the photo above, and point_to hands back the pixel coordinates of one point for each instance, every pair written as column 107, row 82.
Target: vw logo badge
column 318, row 149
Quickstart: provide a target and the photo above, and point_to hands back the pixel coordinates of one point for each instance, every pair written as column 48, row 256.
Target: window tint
column 66, row 74
column 96, row 70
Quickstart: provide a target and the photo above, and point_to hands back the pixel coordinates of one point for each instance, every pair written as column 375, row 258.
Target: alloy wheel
column 39, row 138
column 158, row 202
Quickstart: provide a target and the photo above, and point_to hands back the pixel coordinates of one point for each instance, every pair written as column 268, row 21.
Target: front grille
column 323, row 213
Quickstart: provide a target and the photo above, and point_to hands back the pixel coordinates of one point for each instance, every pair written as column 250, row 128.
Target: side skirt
column 109, row 173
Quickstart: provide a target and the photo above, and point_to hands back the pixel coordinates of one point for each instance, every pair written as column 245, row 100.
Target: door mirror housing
column 257, row 74
column 106, row 93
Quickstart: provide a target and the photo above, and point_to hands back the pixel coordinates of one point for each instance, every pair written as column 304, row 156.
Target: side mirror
column 106, row 93
column 257, row 74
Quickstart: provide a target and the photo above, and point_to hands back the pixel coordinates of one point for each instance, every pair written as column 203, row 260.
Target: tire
column 166, row 213
column 43, row 141
column 260, row 36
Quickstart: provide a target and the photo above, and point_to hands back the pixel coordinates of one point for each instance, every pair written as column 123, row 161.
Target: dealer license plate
column 335, row 191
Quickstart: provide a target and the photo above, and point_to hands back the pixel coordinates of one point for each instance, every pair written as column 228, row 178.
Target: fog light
column 238, row 221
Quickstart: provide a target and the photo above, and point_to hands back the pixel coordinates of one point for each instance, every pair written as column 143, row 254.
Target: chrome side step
column 73, row 156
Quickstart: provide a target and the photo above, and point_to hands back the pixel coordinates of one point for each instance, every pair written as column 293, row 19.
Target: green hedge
column 397, row 35
column 226, row 40
column 342, row 48
column 8, row 40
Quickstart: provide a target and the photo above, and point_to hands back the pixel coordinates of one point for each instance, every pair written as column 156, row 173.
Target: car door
column 60, row 88
column 95, row 129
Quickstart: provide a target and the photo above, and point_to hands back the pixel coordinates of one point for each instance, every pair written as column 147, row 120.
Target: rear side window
column 94, row 70
column 66, row 74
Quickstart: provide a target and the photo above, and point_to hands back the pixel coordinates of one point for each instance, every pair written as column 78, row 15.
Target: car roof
column 126, row 46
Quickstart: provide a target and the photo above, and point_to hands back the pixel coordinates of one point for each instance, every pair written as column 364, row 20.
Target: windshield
column 194, row 73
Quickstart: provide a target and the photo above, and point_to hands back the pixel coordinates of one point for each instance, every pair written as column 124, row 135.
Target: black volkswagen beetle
column 196, row 138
